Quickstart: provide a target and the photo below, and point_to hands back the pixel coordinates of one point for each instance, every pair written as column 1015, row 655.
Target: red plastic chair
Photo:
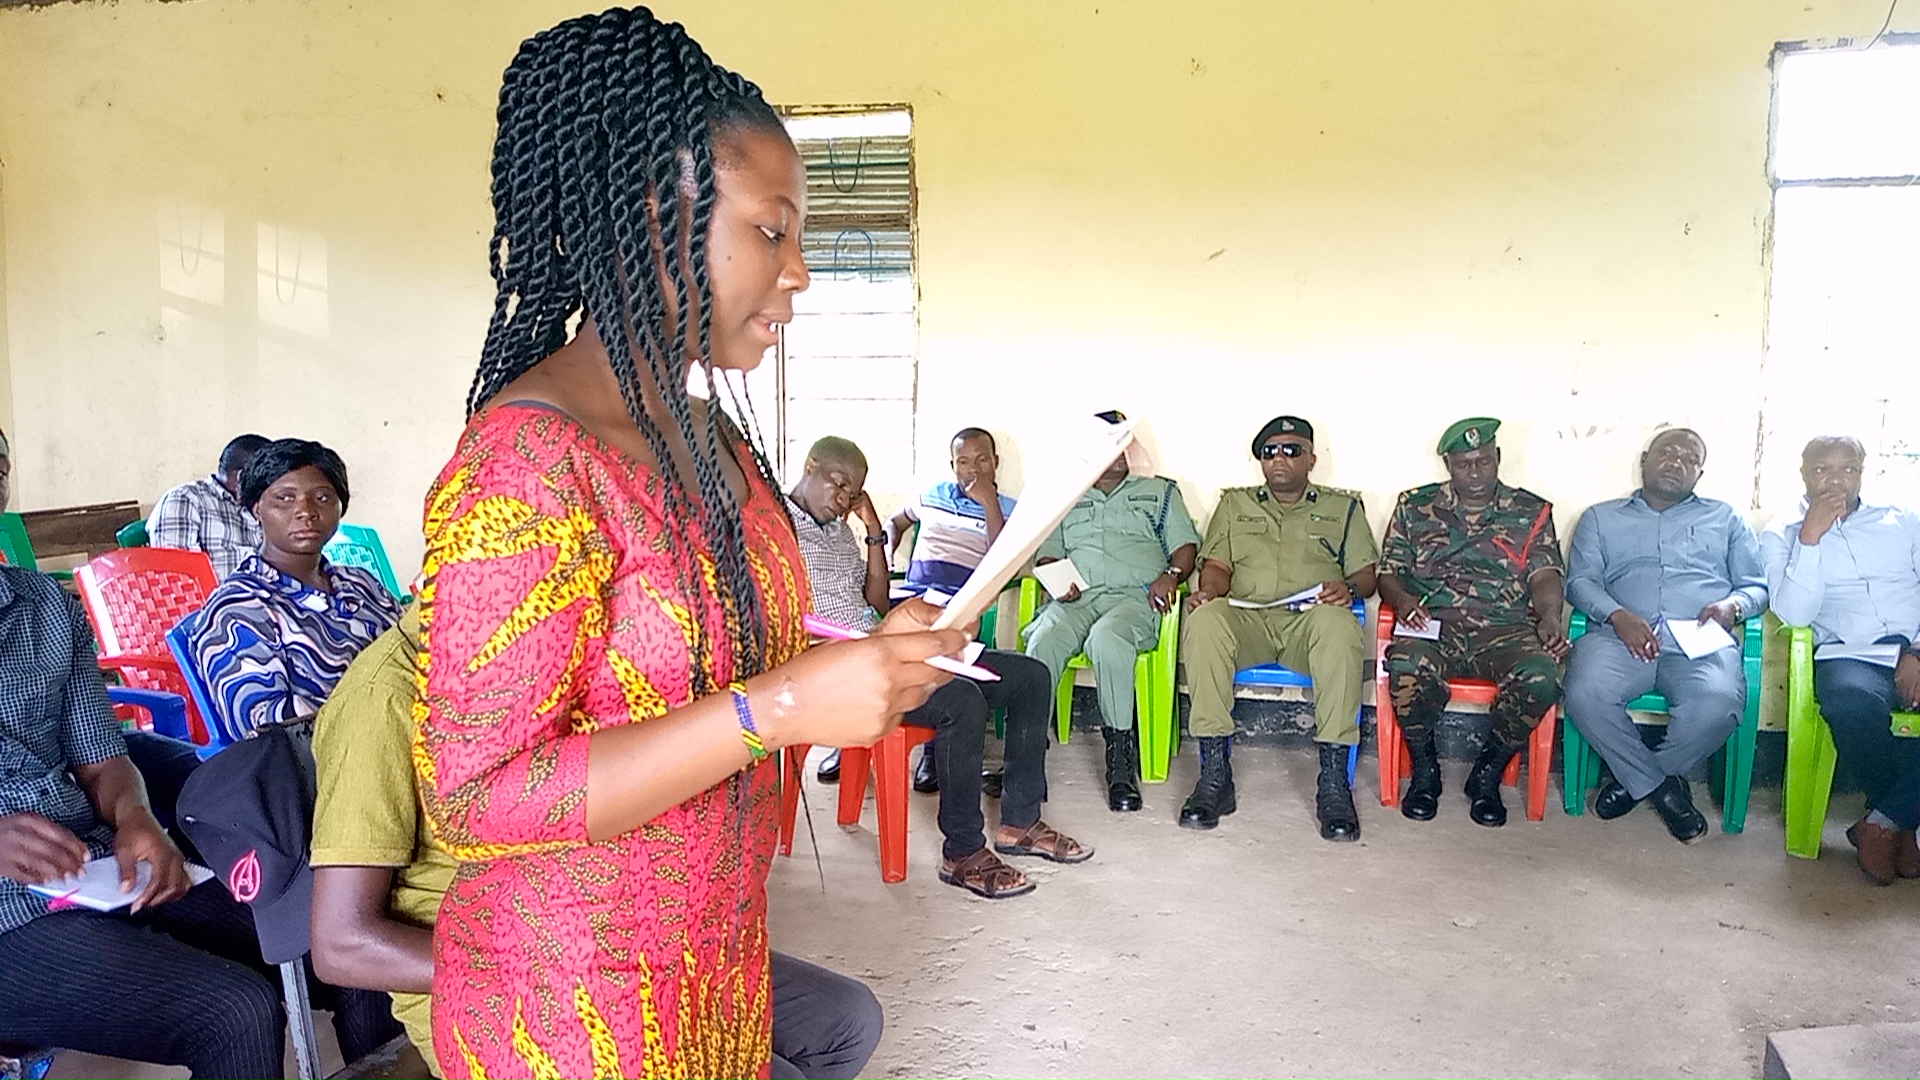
column 1396, row 766
column 133, row 597
column 888, row 761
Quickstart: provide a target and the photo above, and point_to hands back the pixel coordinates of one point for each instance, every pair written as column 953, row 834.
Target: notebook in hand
column 97, row 885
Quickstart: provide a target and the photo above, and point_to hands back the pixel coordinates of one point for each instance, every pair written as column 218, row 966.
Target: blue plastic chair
column 360, row 546
column 218, row 738
column 1278, row 675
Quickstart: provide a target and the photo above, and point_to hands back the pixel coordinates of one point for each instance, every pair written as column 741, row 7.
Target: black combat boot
column 1422, row 799
column 1212, row 797
column 1483, row 783
column 1123, row 770
column 1333, row 802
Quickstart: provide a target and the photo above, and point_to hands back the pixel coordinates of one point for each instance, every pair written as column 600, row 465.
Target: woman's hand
column 852, row 693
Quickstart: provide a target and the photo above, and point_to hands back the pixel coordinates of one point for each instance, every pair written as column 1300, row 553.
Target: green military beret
column 1470, row 434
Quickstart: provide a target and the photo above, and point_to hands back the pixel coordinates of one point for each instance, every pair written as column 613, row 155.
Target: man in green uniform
column 1133, row 542
column 1266, row 544
column 1480, row 559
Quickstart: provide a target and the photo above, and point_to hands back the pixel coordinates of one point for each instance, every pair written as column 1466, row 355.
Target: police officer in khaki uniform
column 1263, row 545
column 1132, row 540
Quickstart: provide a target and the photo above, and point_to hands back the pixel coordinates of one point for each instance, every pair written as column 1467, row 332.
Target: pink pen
column 826, row 628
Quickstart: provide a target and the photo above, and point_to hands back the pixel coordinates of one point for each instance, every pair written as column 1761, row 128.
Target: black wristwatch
column 876, row 538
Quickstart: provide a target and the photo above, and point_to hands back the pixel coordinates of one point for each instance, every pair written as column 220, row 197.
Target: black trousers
column 179, row 984
column 958, row 712
column 825, row 1025
column 1858, row 699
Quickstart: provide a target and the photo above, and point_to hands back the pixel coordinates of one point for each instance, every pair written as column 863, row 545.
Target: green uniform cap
column 1470, row 434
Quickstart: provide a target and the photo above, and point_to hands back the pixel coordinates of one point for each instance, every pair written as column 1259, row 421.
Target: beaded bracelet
column 748, row 733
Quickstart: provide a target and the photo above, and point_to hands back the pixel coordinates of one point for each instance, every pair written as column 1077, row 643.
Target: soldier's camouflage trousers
column 1525, row 675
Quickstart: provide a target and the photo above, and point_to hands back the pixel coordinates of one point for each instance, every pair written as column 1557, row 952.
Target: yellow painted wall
column 1381, row 216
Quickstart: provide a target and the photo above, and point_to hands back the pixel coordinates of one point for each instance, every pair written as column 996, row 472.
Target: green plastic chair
column 1154, row 689
column 133, row 535
column 1810, row 751
column 1580, row 763
column 359, row 545
column 15, row 548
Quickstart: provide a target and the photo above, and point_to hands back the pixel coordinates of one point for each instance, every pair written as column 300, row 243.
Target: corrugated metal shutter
column 859, row 205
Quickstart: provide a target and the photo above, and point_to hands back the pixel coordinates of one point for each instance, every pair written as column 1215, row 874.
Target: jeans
column 958, row 713
column 825, row 1025
column 1858, row 699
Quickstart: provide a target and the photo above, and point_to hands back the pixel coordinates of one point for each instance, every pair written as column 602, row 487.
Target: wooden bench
column 85, row 531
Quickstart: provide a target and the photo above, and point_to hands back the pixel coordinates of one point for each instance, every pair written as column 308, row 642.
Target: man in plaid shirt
column 206, row 515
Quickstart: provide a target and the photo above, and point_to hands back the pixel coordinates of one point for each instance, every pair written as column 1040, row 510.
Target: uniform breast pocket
column 1077, row 530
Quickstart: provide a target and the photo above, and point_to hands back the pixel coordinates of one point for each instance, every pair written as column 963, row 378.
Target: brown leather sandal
column 983, row 874
column 1047, row 842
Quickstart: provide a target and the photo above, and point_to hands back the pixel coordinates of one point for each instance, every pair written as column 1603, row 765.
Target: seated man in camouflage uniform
column 1480, row 558
column 1132, row 540
column 1265, row 544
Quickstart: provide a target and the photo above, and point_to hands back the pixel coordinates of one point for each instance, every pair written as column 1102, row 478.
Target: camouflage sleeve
column 1546, row 547
column 1361, row 550
column 1396, row 552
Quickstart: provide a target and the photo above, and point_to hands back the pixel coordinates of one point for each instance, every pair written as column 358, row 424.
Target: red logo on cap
column 244, row 880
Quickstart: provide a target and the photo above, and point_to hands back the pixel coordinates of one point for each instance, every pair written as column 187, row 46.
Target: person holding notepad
column 1850, row 569
column 1267, row 546
column 1132, row 542
column 1479, row 558
column 1649, row 570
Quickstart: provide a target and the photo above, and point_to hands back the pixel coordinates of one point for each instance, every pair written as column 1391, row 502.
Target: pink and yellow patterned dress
column 551, row 608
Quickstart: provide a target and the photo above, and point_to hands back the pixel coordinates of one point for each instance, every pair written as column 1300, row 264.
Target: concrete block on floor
column 1843, row 1053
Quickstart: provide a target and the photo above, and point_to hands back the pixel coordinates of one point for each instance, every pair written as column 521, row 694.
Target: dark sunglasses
column 1281, row 449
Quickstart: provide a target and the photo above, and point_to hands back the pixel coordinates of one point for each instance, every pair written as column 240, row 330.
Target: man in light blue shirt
column 1851, row 570
column 1640, row 565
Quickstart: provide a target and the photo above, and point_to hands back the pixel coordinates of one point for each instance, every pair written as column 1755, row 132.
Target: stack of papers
column 1429, row 632
column 1883, row 655
column 1060, row 578
column 97, row 885
column 1305, row 598
column 1699, row 639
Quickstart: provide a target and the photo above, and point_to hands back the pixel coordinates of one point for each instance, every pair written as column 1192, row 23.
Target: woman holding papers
column 613, row 597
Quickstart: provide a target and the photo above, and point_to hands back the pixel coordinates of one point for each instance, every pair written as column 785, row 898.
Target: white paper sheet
column 1304, row 598
column 1055, row 482
column 1429, row 632
column 1883, row 655
column 97, row 885
column 1697, row 640
column 1060, row 577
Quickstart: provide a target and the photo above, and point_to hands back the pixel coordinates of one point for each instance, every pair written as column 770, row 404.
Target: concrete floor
column 1568, row 947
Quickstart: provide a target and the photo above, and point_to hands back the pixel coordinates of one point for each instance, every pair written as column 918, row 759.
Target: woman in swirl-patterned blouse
column 277, row 635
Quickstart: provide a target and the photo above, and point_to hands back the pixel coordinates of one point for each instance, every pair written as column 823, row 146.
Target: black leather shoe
column 1673, row 800
column 1613, row 801
column 1123, row 770
column 924, row 780
column 830, row 768
column 1212, row 797
column 992, row 783
column 1483, row 784
column 1333, row 797
column 1422, row 800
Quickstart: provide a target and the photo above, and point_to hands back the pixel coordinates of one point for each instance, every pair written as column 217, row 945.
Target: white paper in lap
column 1052, row 487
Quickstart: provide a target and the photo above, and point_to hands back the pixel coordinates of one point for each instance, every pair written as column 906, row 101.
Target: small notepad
column 97, row 885
column 1699, row 639
column 1429, row 632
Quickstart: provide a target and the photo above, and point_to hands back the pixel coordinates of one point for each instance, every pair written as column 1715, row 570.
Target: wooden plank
column 79, row 530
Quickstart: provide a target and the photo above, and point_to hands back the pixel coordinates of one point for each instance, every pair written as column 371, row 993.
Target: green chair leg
column 1573, row 770
column 1738, row 782
column 1063, row 702
column 1810, row 753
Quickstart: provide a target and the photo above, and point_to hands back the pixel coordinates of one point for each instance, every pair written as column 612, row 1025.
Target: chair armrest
column 1576, row 623
column 169, row 711
column 120, row 661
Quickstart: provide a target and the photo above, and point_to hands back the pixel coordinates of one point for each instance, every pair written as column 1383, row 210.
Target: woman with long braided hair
column 612, row 595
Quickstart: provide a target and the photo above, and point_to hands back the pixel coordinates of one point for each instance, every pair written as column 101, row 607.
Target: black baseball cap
column 249, row 809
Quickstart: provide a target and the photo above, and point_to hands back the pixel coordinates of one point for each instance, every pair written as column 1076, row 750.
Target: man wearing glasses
column 1266, row 546
column 1480, row 559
